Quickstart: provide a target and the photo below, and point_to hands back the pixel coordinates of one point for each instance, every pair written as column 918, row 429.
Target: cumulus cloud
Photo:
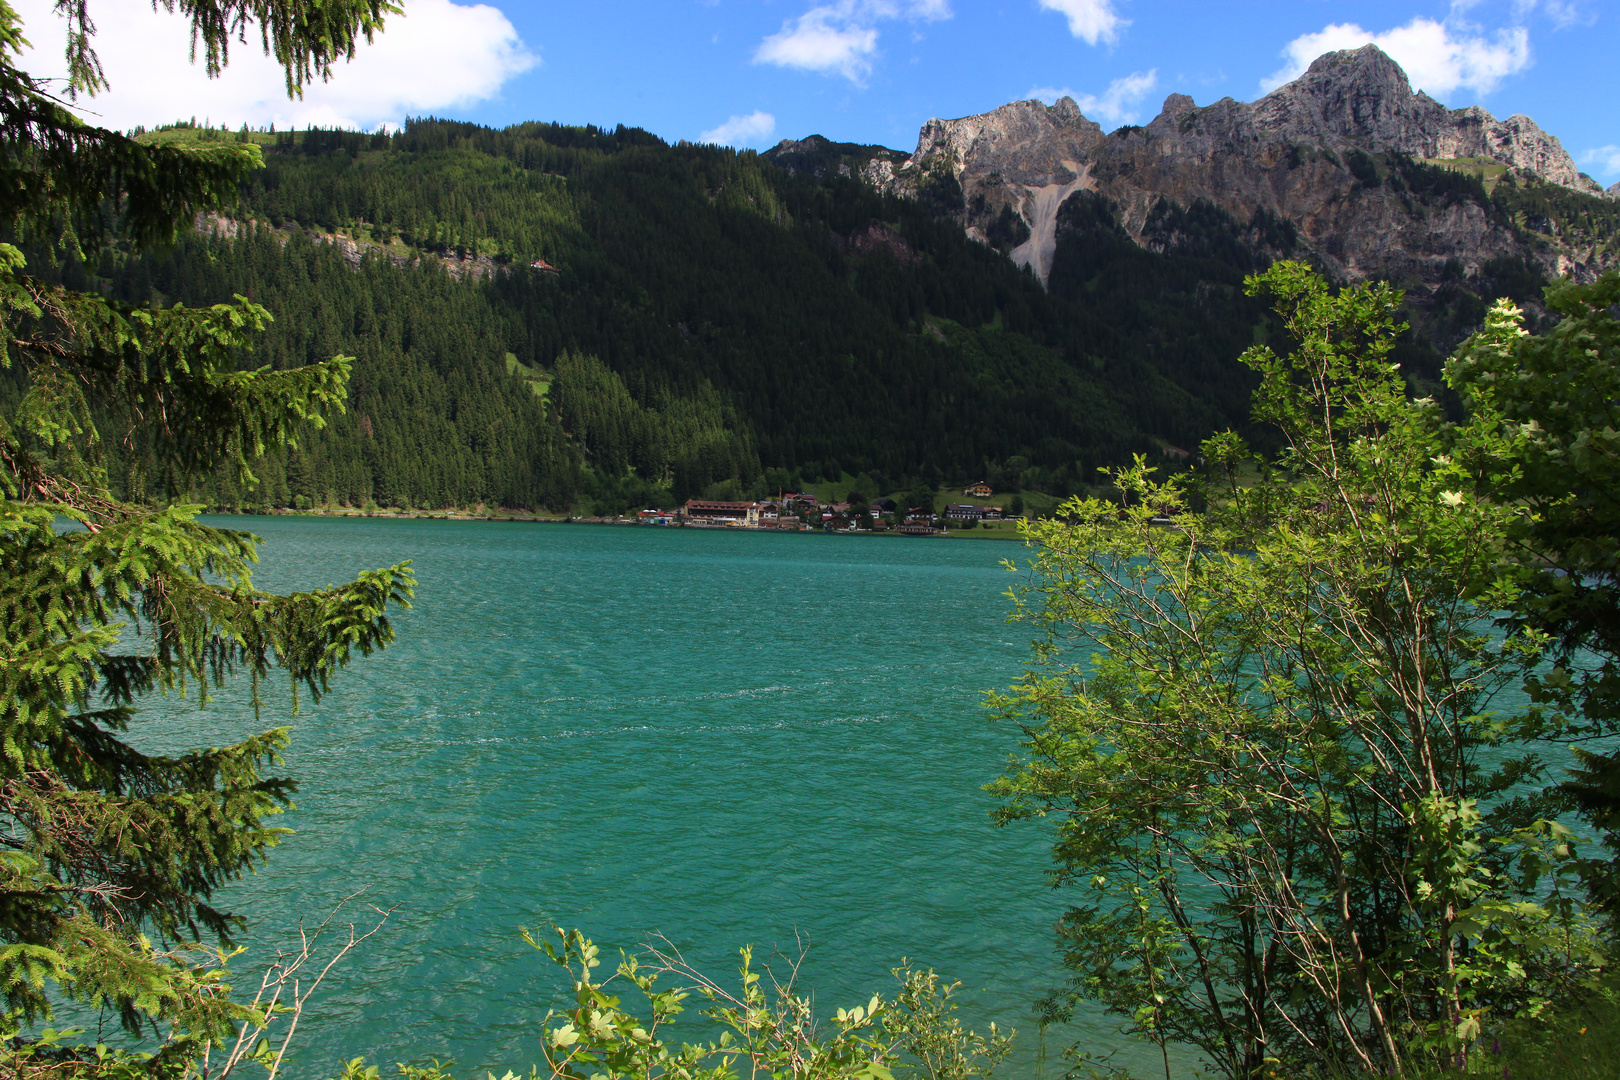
column 1090, row 20
column 741, row 130
column 841, row 38
column 438, row 55
column 1605, row 160
column 1114, row 106
column 1438, row 57
column 821, row 40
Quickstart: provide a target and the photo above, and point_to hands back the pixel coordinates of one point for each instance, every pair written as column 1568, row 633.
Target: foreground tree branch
column 110, row 857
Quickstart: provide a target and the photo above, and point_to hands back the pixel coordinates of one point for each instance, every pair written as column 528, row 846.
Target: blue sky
column 750, row 72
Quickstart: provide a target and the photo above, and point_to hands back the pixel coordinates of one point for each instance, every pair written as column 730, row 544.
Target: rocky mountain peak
column 1176, row 106
column 1346, row 163
column 1359, row 95
column 1066, row 111
column 1025, row 142
column 809, row 145
column 1368, row 64
column 1362, row 97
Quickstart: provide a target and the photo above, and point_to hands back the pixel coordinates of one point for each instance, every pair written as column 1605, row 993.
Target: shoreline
column 520, row 517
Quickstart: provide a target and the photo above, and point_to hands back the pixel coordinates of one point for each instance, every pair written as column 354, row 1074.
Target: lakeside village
column 800, row 512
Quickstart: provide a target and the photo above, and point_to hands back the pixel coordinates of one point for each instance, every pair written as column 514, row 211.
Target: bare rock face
column 1027, row 143
column 1357, row 96
column 1331, row 154
column 1516, row 141
column 1026, row 155
column 1361, row 96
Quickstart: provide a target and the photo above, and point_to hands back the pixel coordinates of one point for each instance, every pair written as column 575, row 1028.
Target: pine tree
column 109, row 856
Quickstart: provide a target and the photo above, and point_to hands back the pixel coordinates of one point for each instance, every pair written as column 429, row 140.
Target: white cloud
column 1090, row 20
column 1438, row 57
column 841, row 38
column 1566, row 15
column 438, row 55
column 1563, row 14
column 1116, row 105
column 741, row 130
column 1605, row 160
column 819, row 40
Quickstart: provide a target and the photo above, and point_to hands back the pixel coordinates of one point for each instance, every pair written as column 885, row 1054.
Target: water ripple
column 727, row 738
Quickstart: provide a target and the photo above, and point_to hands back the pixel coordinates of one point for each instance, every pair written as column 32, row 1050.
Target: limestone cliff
column 1370, row 177
column 1362, row 98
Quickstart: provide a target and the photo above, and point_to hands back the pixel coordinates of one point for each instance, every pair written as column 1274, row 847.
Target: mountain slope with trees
column 811, row 325
column 701, row 321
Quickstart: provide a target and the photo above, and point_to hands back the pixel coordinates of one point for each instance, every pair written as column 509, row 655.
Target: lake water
column 723, row 737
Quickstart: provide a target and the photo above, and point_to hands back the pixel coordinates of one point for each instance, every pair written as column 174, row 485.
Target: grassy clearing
column 1488, row 171
column 992, row 530
column 538, row 381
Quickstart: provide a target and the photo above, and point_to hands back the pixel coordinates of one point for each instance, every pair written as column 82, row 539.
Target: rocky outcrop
column 458, row 266
column 819, row 156
column 1028, row 155
column 1024, row 144
column 1517, row 142
column 879, row 237
column 1339, row 154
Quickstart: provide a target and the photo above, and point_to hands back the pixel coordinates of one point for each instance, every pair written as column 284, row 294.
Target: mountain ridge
column 1346, row 154
column 710, row 322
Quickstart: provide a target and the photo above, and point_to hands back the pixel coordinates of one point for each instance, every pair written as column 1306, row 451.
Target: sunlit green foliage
column 764, row 1025
column 1266, row 730
column 1558, row 394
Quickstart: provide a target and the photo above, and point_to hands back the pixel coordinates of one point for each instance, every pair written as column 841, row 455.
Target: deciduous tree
column 1558, row 395
column 1267, row 731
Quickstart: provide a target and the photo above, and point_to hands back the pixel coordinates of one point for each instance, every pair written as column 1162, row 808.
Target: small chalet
column 543, row 266
column 981, row 490
column 921, row 527
column 920, row 513
column 881, row 506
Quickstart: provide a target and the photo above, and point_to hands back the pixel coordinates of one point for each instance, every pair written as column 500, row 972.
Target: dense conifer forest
column 578, row 318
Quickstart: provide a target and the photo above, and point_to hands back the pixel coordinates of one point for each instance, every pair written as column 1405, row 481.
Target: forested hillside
column 630, row 322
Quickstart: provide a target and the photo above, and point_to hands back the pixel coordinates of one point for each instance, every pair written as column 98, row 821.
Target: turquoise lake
column 720, row 736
